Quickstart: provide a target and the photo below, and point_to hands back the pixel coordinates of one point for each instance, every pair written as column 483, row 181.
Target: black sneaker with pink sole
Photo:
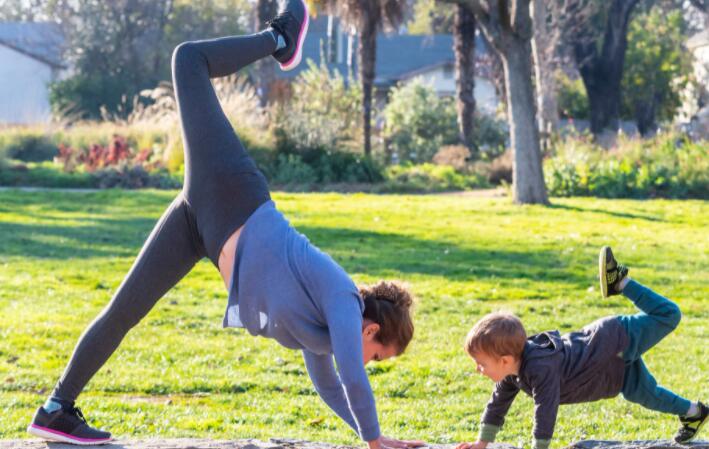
column 66, row 425
column 292, row 23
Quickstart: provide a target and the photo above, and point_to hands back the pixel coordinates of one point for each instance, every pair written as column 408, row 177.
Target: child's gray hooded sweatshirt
column 581, row 366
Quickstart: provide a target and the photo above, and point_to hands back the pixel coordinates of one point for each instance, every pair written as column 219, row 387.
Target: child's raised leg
column 658, row 317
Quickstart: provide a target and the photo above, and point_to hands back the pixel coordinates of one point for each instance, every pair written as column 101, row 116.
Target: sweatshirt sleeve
column 327, row 383
column 546, row 390
column 344, row 319
column 494, row 415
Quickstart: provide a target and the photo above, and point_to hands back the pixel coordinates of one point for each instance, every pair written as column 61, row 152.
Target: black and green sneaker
column 691, row 426
column 610, row 272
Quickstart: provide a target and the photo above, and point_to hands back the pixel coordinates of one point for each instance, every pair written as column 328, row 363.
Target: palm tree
column 367, row 18
column 266, row 67
column 464, row 47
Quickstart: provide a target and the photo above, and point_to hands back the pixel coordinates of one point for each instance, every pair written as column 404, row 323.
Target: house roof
column 398, row 56
column 41, row 41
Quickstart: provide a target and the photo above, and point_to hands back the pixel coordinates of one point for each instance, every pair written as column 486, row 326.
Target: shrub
column 572, row 99
column 499, row 170
column 324, row 167
column 666, row 166
column 290, row 169
column 429, row 178
column 324, row 112
column 98, row 156
column 456, row 156
column 418, row 122
column 491, row 136
column 125, row 176
column 43, row 174
column 28, row 145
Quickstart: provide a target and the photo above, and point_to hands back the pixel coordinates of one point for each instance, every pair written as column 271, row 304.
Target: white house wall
column 443, row 82
column 24, row 95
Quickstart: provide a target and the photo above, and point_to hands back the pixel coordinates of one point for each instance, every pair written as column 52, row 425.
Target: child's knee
column 674, row 315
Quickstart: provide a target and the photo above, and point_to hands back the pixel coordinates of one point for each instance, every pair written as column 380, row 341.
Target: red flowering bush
column 116, row 154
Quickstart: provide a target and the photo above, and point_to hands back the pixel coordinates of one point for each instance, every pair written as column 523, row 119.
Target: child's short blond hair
column 497, row 334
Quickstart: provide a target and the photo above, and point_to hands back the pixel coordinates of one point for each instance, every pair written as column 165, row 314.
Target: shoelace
column 280, row 17
column 76, row 411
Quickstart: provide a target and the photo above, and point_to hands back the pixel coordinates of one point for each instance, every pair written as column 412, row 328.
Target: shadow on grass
column 374, row 253
column 608, row 212
column 108, row 238
column 378, row 253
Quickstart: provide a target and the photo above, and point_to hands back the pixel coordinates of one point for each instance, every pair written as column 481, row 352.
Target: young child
column 599, row 361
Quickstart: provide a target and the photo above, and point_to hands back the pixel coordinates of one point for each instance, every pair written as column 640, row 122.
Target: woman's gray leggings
column 222, row 188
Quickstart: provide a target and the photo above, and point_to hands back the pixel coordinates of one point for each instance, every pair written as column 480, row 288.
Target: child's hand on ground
column 476, row 445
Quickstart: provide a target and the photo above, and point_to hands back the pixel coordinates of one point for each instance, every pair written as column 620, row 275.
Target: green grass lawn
column 179, row 374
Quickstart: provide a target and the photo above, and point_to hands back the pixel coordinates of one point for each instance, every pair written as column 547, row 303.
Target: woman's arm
column 344, row 319
column 326, row 382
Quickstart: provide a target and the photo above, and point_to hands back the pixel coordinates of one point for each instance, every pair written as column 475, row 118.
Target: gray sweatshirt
column 285, row 288
column 581, row 366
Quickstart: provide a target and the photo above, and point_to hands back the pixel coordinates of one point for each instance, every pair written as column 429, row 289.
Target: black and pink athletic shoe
column 292, row 23
column 66, row 425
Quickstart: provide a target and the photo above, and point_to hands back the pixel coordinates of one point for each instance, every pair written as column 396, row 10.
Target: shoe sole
column 602, row 272
column 55, row 435
column 295, row 60
column 696, row 434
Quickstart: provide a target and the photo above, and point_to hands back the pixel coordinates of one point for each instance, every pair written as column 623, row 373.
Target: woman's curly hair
column 388, row 303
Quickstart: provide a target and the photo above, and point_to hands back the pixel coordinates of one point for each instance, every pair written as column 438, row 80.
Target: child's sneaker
column 610, row 272
column 691, row 426
column 292, row 23
column 67, row 425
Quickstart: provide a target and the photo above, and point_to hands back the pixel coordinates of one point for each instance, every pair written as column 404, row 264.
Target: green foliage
column 572, row 98
column 418, row 122
column 429, row 178
column 290, row 169
column 667, row 166
column 43, row 174
column 117, row 49
column 48, row 174
column 431, row 17
column 26, row 144
column 491, row 135
column 323, row 167
column 179, row 374
column 657, row 65
column 324, row 112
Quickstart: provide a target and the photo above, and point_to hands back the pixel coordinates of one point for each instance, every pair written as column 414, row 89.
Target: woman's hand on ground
column 400, row 444
column 476, row 445
column 390, row 443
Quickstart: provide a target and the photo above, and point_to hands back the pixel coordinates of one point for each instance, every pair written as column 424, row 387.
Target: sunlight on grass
column 179, row 374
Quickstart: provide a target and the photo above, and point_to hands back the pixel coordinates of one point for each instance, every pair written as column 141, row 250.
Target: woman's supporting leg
column 169, row 253
column 658, row 317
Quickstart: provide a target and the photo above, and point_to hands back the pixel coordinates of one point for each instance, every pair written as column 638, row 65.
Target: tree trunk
column 602, row 72
column 543, row 51
column 367, row 61
column 464, row 47
column 266, row 67
column 645, row 116
column 527, row 174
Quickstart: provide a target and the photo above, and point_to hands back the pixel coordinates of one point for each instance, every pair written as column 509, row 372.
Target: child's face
column 495, row 367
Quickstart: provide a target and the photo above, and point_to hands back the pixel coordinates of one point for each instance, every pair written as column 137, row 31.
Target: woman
column 280, row 286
